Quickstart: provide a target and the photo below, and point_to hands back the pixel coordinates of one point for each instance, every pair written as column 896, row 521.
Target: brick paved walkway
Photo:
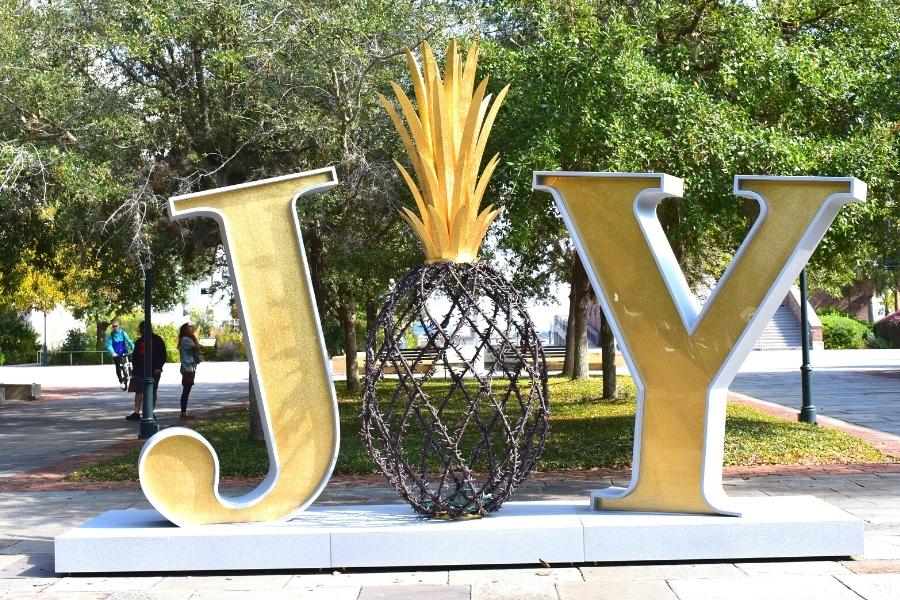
column 30, row 519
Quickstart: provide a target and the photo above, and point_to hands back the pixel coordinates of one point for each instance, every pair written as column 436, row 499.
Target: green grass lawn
column 585, row 432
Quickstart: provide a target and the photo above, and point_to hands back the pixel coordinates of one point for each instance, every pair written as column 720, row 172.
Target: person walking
column 158, row 358
column 189, row 353
column 118, row 345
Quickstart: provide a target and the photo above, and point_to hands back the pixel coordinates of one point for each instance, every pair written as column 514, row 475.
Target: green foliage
column 76, row 340
column 585, row 432
column 109, row 110
column 2, row 359
column 78, row 358
column 830, row 310
column 888, row 329
column 844, row 333
column 202, row 321
column 705, row 91
column 410, row 339
column 230, row 343
column 169, row 335
column 18, row 339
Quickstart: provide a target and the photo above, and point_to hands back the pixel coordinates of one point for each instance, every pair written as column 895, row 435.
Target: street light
column 808, row 410
column 45, row 357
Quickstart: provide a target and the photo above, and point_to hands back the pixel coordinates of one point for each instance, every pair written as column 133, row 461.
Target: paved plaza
column 81, row 412
column 858, row 386
column 29, row 522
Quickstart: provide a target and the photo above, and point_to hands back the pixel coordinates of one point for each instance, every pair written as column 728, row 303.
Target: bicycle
column 127, row 371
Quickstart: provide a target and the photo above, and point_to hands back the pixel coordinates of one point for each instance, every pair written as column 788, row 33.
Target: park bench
column 554, row 354
column 426, row 358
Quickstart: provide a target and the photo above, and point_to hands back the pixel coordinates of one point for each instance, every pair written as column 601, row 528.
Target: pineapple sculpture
column 468, row 418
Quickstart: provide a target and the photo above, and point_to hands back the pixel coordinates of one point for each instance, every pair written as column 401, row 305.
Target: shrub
column 841, row 332
column 18, row 339
column 888, row 329
column 169, row 335
column 207, row 353
column 203, row 322
column 2, row 359
column 230, row 344
column 76, row 341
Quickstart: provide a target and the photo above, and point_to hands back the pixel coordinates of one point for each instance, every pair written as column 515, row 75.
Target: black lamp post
column 149, row 426
column 808, row 410
column 45, row 357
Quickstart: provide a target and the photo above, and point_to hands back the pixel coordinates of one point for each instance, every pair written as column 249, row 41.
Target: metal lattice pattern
column 468, row 419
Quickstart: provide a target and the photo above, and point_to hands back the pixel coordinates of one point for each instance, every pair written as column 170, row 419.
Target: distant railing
column 72, row 357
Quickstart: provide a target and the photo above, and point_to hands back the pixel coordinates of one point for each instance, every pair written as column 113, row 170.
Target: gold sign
column 683, row 355
column 179, row 470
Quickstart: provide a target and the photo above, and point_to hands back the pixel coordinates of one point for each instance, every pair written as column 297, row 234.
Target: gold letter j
column 178, row 468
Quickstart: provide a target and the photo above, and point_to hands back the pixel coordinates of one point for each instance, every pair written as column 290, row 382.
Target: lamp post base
column 148, row 428
column 807, row 415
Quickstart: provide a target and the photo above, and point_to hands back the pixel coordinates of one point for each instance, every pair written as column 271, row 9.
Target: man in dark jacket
column 158, row 359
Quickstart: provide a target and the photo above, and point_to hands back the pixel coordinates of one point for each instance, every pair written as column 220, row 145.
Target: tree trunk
column 608, row 353
column 371, row 314
column 316, row 249
column 568, row 361
column 256, row 429
column 101, row 334
column 581, row 287
column 669, row 215
column 347, row 313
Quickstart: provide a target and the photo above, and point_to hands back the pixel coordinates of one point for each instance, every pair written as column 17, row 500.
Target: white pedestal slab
column 521, row 532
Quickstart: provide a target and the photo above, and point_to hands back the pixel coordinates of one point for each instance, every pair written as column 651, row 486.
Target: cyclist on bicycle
column 118, row 344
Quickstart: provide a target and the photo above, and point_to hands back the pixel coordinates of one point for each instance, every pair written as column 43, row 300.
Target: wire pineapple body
column 468, row 417
column 466, row 422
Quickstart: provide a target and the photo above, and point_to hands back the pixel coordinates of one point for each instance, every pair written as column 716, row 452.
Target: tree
column 63, row 128
column 705, row 90
column 204, row 94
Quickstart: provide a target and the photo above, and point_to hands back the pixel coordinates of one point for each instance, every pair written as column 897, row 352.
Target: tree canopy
column 703, row 90
column 107, row 108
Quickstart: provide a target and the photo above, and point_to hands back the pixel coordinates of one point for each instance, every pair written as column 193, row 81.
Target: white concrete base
column 520, row 533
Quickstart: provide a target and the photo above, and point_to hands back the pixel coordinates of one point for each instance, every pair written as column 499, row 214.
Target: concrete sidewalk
column 857, row 386
column 82, row 410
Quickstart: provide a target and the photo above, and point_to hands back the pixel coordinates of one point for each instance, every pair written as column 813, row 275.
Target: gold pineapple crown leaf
column 445, row 143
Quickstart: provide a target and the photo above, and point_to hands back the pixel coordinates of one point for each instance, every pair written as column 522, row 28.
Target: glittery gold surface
column 445, row 141
column 178, row 472
column 677, row 367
